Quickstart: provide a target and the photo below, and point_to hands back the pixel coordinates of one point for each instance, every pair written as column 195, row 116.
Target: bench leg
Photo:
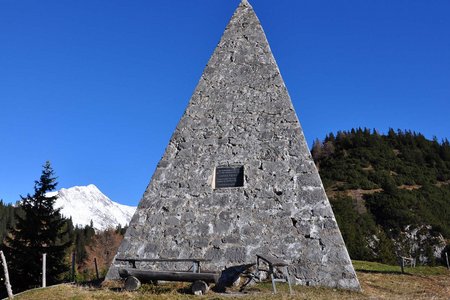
column 273, row 283
column 258, row 271
column 250, row 278
column 288, row 278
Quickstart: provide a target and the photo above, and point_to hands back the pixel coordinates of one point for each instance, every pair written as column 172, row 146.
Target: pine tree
column 39, row 230
column 316, row 150
column 7, row 219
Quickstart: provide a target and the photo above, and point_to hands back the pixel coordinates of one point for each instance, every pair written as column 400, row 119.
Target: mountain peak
column 87, row 203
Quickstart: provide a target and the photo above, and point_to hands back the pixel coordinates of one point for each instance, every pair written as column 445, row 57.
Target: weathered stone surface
column 240, row 114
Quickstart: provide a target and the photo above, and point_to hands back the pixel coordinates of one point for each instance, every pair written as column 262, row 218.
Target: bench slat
column 164, row 259
column 276, row 262
column 150, row 275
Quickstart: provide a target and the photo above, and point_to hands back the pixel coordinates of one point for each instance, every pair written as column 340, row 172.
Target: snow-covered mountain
column 86, row 203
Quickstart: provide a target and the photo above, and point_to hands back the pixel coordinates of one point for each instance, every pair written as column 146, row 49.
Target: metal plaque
column 229, row 177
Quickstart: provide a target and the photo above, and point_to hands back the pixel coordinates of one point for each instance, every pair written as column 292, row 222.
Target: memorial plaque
column 229, row 177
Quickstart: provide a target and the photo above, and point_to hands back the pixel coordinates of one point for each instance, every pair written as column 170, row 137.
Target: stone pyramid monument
column 237, row 178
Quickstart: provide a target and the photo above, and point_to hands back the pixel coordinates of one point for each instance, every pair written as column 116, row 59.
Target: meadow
column 378, row 281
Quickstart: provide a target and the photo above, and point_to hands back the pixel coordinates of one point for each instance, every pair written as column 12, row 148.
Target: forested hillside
column 390, row 193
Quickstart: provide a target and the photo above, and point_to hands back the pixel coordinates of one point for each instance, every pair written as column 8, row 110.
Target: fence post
column 402, row 265
column 446, row 258
column 44, row 267
column 7, row 283
column 96, row 268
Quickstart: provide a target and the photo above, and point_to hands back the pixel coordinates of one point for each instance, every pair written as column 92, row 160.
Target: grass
column 263, row 291
column 374, row 267
column 378, row 281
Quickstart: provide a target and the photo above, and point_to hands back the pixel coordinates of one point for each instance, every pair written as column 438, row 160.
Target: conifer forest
column 390, row 193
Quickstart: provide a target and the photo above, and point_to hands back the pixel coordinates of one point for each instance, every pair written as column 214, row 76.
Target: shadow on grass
column 92, row 283
column 185, row 290
column 392, row 272
column 113, row 285
column 156, row 289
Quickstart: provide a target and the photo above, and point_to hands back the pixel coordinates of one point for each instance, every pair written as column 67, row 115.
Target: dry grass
column 377, row 281
column 395, row 286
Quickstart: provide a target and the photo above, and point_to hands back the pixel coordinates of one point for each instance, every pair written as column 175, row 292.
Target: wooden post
column 402, row 265
column 196, row 267
column 5, row 269
column 446, row 259
column 73, row 266
column 96, row 268
column 44, row 275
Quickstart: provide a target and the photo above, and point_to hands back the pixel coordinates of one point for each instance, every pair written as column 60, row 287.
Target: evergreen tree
column 38, row 231
column 316, row 150
column 385, row 249
column 7, row 219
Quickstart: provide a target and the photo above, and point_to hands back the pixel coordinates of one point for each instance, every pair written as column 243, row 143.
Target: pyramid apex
column 245, row 3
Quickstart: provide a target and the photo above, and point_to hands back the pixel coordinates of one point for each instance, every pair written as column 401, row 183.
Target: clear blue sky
column 97, row 87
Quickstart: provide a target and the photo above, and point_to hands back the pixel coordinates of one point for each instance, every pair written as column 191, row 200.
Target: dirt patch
column 409, row 187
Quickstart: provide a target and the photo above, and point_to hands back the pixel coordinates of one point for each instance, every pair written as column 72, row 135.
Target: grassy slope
column 378, row 281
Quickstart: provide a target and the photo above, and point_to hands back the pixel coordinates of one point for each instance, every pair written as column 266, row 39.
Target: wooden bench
column 272, row 263
column 195, row 261
column 405, row 261
column 134, row 276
